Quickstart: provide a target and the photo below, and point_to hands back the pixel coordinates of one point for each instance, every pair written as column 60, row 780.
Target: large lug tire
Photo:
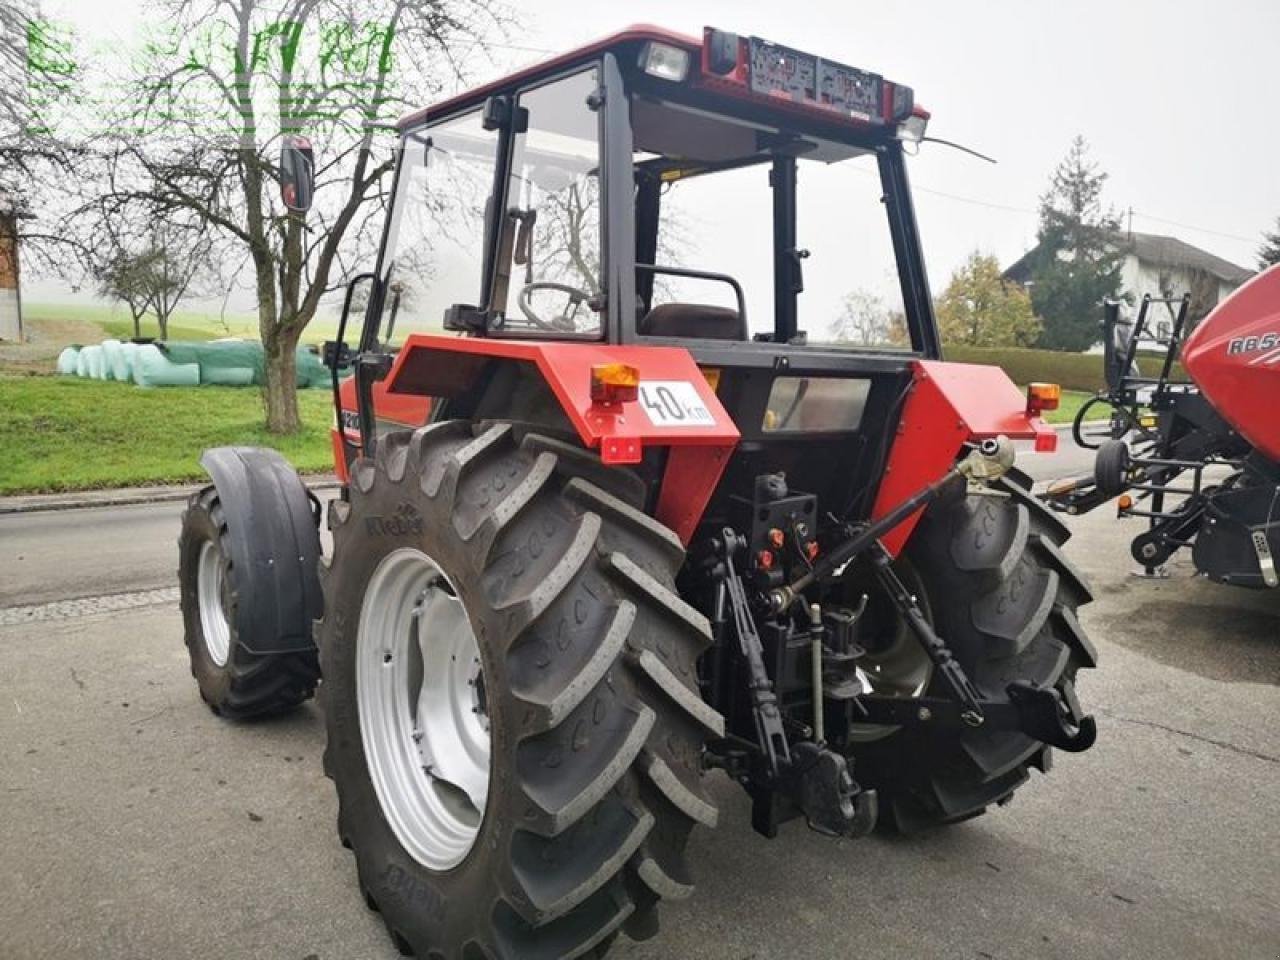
column 1002, row 595
column 236, row 682
column 593, row 725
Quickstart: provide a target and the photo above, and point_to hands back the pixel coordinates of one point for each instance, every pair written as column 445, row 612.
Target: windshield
column 549, row 262
column 435, row 239
column 716, row 215
column 547, row 267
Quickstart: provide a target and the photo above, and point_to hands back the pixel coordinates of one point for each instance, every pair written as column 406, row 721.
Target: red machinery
column 1219, row 430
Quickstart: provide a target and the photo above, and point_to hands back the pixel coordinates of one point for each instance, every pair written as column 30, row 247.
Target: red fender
column 949, row 404
column 701, row 437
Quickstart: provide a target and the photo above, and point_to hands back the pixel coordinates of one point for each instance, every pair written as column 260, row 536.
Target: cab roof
column 636, row 33
column 632, row 36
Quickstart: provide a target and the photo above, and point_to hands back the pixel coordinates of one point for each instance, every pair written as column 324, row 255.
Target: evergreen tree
column 1079, row 255
column 1269, row 252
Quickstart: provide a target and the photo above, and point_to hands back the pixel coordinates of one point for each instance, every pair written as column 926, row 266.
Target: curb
column 123, row 497
column 1066, row 427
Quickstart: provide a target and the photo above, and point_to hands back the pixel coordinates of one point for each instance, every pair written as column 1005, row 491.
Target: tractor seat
column 692, row 320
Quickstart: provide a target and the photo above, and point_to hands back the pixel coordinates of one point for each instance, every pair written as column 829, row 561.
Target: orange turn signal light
column 614, row 383
column 1125, row 503
column 1042, row 397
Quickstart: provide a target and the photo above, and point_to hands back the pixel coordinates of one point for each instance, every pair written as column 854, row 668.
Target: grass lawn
column 1072, row 401
column 61, row 433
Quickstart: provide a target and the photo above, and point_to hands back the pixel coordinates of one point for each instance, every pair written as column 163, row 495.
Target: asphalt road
column 134, row 824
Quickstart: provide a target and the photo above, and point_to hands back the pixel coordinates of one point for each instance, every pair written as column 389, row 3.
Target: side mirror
column 297, row 173
column 1117, row 340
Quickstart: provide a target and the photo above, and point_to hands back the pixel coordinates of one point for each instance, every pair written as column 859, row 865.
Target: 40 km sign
column 674, row 403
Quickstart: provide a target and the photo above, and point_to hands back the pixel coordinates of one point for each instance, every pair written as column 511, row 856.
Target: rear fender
column 687, row 417
column 276, row 549
column 949, row 405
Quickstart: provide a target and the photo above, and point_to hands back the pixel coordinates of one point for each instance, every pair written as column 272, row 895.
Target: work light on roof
column 911, row 130
column 664, row 61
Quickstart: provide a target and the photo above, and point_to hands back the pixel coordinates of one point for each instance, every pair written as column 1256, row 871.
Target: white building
column 1159, row 266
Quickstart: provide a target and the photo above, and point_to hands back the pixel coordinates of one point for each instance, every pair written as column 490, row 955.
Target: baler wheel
column 1111, row 468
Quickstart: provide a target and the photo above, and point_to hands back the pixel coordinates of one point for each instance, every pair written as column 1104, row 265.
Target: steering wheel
column 561, row 324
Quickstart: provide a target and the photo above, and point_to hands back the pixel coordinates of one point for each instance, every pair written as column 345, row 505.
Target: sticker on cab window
column 674, row 403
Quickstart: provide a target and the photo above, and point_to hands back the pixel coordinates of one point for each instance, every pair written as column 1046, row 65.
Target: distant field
column 60, row 433
column 184, row 325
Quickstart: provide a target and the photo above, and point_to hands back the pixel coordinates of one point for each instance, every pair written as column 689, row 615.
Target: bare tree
column 180, row 259
column 866, row 321
column 246, row 73
column 569, row 244
column 122, row 276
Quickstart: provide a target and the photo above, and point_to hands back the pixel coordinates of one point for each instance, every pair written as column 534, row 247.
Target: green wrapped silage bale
column 234, row 362
column 111, row 360
column 229, row 362
column 67, row 360
column 93, row 361
column 311, row 372
column 227, row 376
column 128, row 350
column 151, row 368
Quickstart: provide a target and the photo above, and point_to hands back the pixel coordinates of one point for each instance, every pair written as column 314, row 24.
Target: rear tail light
column 613, row 383
column 664, row 61
column 1042, row 397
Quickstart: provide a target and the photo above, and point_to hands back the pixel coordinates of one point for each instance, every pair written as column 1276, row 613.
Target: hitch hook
column 1053, row 716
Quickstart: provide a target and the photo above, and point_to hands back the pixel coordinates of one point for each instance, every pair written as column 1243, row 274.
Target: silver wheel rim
column 899, row 668
column 213, row 613
column 423, row 709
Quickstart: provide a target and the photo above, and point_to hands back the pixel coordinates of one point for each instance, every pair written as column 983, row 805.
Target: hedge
column 1072, row 371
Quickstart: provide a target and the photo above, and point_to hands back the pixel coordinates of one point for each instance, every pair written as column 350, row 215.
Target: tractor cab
column 653, row 185
column 737, row 199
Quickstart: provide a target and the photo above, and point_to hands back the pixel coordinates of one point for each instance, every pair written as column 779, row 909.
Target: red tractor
column 596, row 537
column 1199, row 459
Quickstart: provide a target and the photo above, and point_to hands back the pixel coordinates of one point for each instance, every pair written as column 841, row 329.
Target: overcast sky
column 1178, row 99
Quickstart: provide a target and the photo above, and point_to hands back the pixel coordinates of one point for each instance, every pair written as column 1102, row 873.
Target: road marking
column 86, row 606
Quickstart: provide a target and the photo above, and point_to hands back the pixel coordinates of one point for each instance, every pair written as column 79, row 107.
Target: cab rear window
column 815, row 404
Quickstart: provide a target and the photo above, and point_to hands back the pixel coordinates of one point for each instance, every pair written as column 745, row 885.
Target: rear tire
column 1000, row 593
column 595, row 726
column 235, row 682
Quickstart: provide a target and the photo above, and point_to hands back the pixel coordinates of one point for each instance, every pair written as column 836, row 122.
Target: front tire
column 235, row 681
column 586, row 655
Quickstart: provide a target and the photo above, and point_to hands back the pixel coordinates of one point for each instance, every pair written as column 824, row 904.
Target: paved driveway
column 134, row 824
